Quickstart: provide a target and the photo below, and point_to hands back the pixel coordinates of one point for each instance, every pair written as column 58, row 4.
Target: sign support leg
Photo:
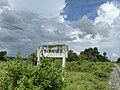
column 64, row 61
column 63, row 66
column 38, row 56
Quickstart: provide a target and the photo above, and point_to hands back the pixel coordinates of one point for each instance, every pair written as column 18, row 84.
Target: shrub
column 23, row 76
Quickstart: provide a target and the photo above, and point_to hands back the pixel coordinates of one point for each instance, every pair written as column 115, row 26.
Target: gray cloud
column 102, row 28
column 4, row 3
column 84, row 25
column 87, row 26
column 11, row 17
column 43, row 7
column 39, row 31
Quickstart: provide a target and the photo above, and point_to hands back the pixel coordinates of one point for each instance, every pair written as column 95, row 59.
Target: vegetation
column 72, row 56
column 32, row 58
column 118, row 60
column 2, row 55
column 92, row 54
column 88, row 75
column 90, row 72
column 87, row 71
column 20, row 75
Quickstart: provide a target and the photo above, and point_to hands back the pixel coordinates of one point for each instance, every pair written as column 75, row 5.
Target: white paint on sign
column 53, row 50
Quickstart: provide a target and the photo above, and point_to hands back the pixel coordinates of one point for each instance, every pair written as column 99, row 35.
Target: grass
column 85, row 81
column 84, row 76
column 89, row 76
column 2, row 64
column 118, row 64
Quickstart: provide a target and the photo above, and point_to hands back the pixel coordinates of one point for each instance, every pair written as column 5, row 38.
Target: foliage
column 18, row 56
column 72, row 56
column 2, row 54
column 2, row 65
column 85, row 81
column 95, row 67
column 32, row 58
column 88, row 75
column 92, row 54
column 23, row 76
column 84, row 72
column 118, row 60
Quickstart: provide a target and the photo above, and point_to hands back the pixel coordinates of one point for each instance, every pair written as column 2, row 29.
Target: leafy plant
column 21, row 75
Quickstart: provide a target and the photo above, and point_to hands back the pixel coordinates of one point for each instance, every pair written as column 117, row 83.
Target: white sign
column 53, row 51
column 60, row 51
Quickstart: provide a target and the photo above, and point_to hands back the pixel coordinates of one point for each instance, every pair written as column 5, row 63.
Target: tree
column 32, row 58
column 72, row 56
column 89, row 54
column 92, row 54
column 104, row 54
column 2, row 54
column 118, row 60
column 18, row 56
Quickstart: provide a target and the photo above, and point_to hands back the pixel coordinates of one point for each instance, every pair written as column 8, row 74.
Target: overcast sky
column 78, row 23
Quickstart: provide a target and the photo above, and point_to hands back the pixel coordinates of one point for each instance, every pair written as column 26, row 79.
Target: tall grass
column 88, row 76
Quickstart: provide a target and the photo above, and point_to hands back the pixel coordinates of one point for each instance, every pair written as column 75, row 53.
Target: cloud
column 10, row 17
column 45, row 8
column 3, row 3
column 107, row 13
column 84, row 24
column 102, row 28
column 35, row 31
column 115, row 55
column 103, row 32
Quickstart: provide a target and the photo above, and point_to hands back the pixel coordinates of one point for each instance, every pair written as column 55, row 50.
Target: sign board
column 60, row 51
column 53, row 51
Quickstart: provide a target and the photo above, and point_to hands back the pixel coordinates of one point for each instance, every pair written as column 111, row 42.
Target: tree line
column 90, row 54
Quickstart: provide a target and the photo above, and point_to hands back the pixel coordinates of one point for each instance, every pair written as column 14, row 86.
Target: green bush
column 101, row 74
column 23, row 76
column 90, row 67
column 85, row 81
column 72, row 56
column 88, row 75
column 32, row 58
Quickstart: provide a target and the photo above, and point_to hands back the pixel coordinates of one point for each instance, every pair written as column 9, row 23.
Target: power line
column 19, row 28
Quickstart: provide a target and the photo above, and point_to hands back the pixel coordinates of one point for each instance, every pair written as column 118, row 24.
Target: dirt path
column 115, row 78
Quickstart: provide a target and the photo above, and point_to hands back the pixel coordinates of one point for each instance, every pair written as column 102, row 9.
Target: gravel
column 114, row 81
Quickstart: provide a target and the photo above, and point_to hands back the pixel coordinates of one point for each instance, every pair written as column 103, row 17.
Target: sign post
column 60, row 51
column 64, row 61
column 63, row 65
column 38, row 56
